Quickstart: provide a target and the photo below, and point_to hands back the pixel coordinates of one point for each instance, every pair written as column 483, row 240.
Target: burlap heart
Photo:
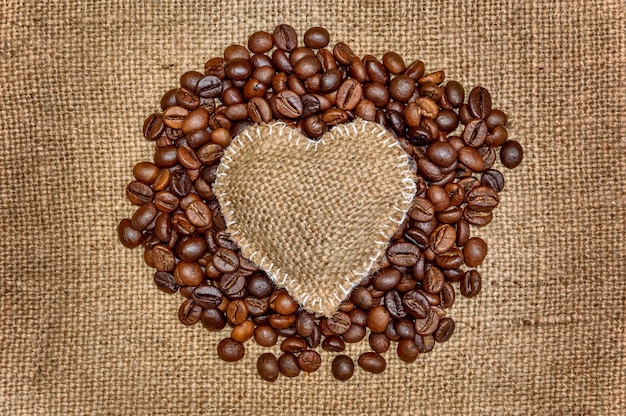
column 316, row 216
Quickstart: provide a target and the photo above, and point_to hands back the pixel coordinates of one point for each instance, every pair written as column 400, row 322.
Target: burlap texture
column 84, row 331
column 315, row 215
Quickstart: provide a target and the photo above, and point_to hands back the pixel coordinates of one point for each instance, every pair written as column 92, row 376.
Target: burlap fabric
column 84, row 331
column 315, row 215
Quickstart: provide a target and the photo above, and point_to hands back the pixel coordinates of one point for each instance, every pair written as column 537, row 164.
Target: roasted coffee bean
column 471, row 158
column 511, row 154
column 285, row 37
column 265, row 336
column 339, row 323
column 153, row 127
column 401, row 88
column 428, row 324
column 226, row 260
column 334, row 116
column 288, row 365
column 128, row 236
column 189, row 313
column 232, row 283
column 483, row 198
column 210, row 86
column 165, row 282
column 422, row 210
column 242, row 332
column 168, row 99
column 404, row 328
column 403, row 254
column 394, row 63
column 442, row 238
column 191, row 249
column 267, row 367
column 188, row 273
column 237, row 311
column 372, row 362
column 451, row 259
column 288, row 104
column 174, row 116
column 259, row 285
column 139, row 193
column 145, row 172
column 284, row 304
column 447, row 295
column 213, row 319
column 378, row 318
column 309, row 361
column 230, row 350
column 442, row 154
column 362, row 298
column 349, row 94
column 438, row 196
column 478, row 218
column 293, row 344
column 474, row 251
column 445, row 330
column 379, row 342
column 260, row 42
column 333, row 343
column 386, row 279
column 163, row 258
column 278, row 321
column 316, row 38
column 259, row 110
column 471, row 283
column 407, row 350
column 342, row 367
column 475, row 133
column 479, row 102
column 433, row 280
column 207, row 297
column 257, row 306
column 416, row 304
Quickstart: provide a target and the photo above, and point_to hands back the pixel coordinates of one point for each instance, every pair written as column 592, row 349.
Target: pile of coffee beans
column 454, row 139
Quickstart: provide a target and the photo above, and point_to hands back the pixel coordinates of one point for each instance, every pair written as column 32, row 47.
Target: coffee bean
column 349, row 94
column 139, row 193
column 226, row 260
column 153, row 127
column 342, row 367
column 188, row 273
column 378, row 318
column 128, row 236
column 442, row 238
column 232, row 283
column 393, row 62
column 386, row 279
column 342, row 53
column 309, row 361
column 471, row 283
column 403, row 254
column 416, row 304
column 475, row 133
column 479, row 102
column 288, row 104
column 189, row 313
column 242, row 332
column 267, row 366
column 474, row 251
column 230, row 350
column 483, row 198
column 372, row 362
column 511, row 154
column 165, row 282
column 447, row 295
column 407, row 350
column 265, row 336
column 207, row 297
column 445, row 330
column 288, row 365
column 213, row 319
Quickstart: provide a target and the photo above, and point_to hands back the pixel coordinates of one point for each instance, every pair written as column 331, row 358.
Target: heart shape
column 315, row 215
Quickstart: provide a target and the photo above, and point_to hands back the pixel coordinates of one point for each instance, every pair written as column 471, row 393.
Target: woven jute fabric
column 85, row 332
column 315, row 215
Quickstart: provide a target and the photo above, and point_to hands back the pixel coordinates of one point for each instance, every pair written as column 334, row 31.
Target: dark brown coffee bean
column 478, row 218
column 474, row 251
column 438, row 196
column 260, row 42
column 471, row 158
column 377, row 93
column 314, row 127
column 450, row 215
column 199, row 214
column 434, row 77
column 144, row 216
column 401, row 88
column 447, row 120
column 339, row 323
column 230, row 350
column 153, row 127
column 128, row 236
column 455, row 93
column 189, row 313
column 259, row 285
column 442, row 154
column 511, row 154
column 265, row 336
column 386, row 279
column 442, row 238
column 479, row 102
column 431, row 171
column 393, row 62
column 257, row 306
column 187, row 99
column 428, row 324
column 343, row 53
column 288, row 104
column 163, row 227
column 376, row 70
column 362, row 298
column 379, row 342
column 145, row 172
column 471, row 284
column 447, row 295
column 169, row 99
column 433, row 280
column 213, row 319
column 475, row 133
column 285, row 37
column 210, row 86
column 210, row 154
column 242, row 332
column 259, row 110
column 214, row 67
column 496, row 118
column 207, row 297
column 163, row 258
column 372, row 362
column 378, row 318
column 238, row 69
column 288, row 365
column 139, row 193
column 493, row 179
column 254, row 88
column 316, row 38
column 333, row 343
column 188, row 273
column 497, row 136
column 293, row 344
column 349, row 94
column 416, row 304
column 445, row 330
column 451, row 259
column 174, row 116
column 483, row 198
column 237, row 311
column 166, row 201
column 404, row 328
column 407, row 350
column 226, row 260
column 393, row 303
column 267, row 367
column 165, row 282
column 232, row 283
column 309, row 361
column 415, row 70
column 180, row 182
column 307, row 67
column 342, row 367
column 403, row 254
column 165, row 157
column 191, row 249
column 422, row 210
column 334, row 116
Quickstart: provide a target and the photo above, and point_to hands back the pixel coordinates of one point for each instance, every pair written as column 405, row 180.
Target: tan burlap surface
column 315, row 215
column 83, row 329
